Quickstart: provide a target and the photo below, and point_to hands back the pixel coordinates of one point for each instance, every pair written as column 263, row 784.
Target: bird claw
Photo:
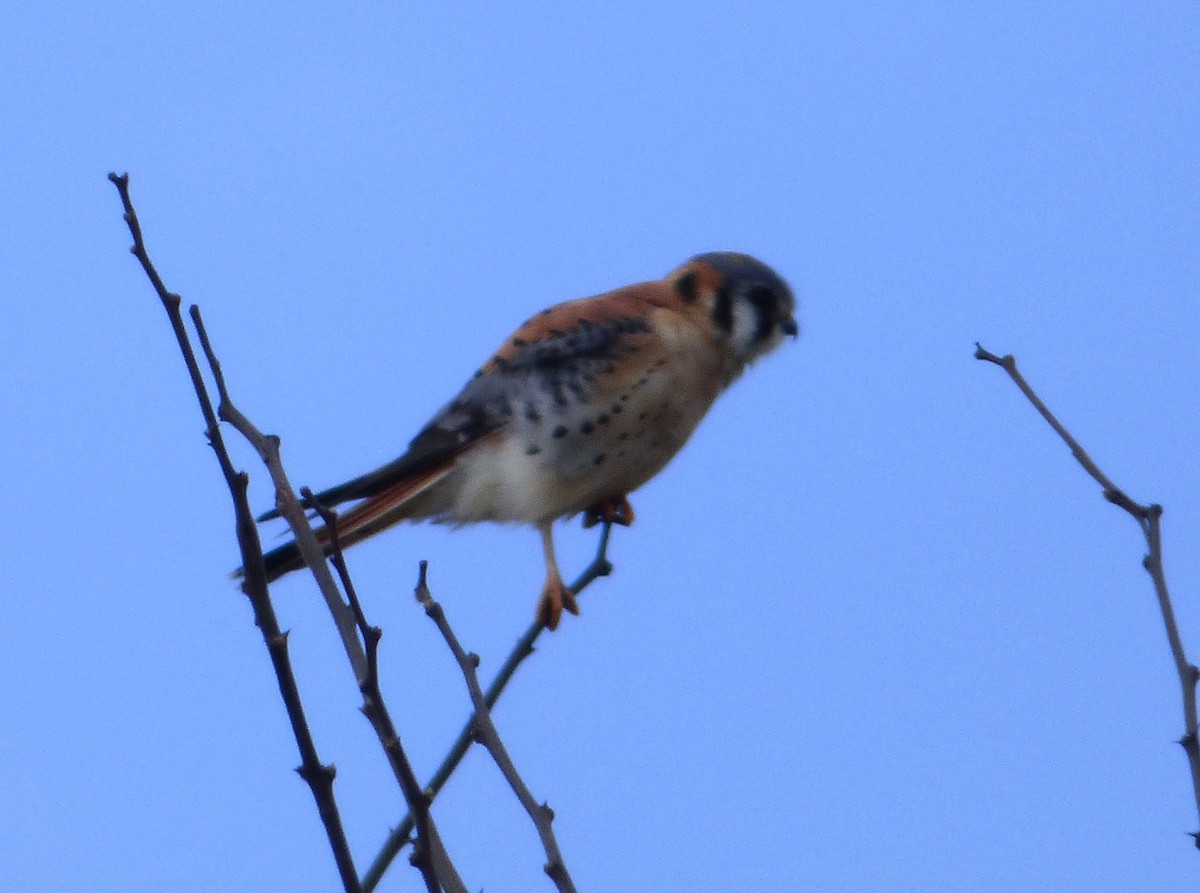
column 555, row 598
column 614, row 510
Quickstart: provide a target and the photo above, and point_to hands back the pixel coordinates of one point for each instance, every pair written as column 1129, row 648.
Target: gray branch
column 1148, row 518
column 484, row 731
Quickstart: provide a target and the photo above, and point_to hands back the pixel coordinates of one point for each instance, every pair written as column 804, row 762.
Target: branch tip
column 422, row 589
column 1007, row 361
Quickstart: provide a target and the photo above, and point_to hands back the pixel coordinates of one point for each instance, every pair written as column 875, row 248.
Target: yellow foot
column 555, row 597
column 614, row 510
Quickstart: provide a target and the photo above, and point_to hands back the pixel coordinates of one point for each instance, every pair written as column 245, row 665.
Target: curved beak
column 789, row 327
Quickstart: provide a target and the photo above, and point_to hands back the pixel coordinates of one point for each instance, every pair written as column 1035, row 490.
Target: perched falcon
column 579, row 407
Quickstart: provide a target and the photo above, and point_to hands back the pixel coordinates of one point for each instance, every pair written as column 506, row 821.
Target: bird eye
column 688, row 287
column 761, row 297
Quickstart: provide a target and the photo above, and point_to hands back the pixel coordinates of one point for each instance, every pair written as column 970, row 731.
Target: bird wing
column 431, row 452
column 554, row 348
column 568, row 335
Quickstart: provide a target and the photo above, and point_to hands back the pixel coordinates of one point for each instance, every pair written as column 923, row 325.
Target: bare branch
column 267, row 447
column 600, row 566
column 318, row 775
column 484, row 731
column 1148, row 518
column 429, row 854
column 1111, row 492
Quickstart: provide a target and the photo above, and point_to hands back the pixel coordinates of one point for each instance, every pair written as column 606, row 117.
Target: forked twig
column 600, row 566
column 318, row 775
column 484, row 731
column 1149, row 519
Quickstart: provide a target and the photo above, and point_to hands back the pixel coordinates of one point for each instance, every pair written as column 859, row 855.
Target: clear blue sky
column 873, row 629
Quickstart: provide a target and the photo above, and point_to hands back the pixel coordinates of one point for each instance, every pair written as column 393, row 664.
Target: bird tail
column 366, row 519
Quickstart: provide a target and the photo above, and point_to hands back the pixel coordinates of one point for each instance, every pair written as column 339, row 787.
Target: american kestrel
column 579, row 407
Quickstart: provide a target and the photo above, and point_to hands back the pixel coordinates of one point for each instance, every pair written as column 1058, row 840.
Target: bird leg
column 614, row 510
column 555, row 595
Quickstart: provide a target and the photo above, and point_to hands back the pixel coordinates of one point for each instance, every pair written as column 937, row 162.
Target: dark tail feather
column 279, row 561
column 282, row 560
column 375, row 514
column 370, row 483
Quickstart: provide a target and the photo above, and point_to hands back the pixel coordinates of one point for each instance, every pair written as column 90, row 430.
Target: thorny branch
column 318, row 775
column 600, row 566
column 1148, row 518
column 484, row 731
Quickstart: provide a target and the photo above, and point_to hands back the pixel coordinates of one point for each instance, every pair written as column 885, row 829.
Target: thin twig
column 1111, row 492
column 1148, row 518
column 600, row 566
column 484, row 731
column 429, row 854
column 267, row 447
column 318, row 775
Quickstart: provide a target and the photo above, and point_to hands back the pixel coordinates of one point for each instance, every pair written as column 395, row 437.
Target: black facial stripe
column 722, row 312
column 764, row 302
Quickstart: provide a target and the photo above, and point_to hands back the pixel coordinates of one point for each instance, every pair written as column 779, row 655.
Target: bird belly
column 554, row 459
